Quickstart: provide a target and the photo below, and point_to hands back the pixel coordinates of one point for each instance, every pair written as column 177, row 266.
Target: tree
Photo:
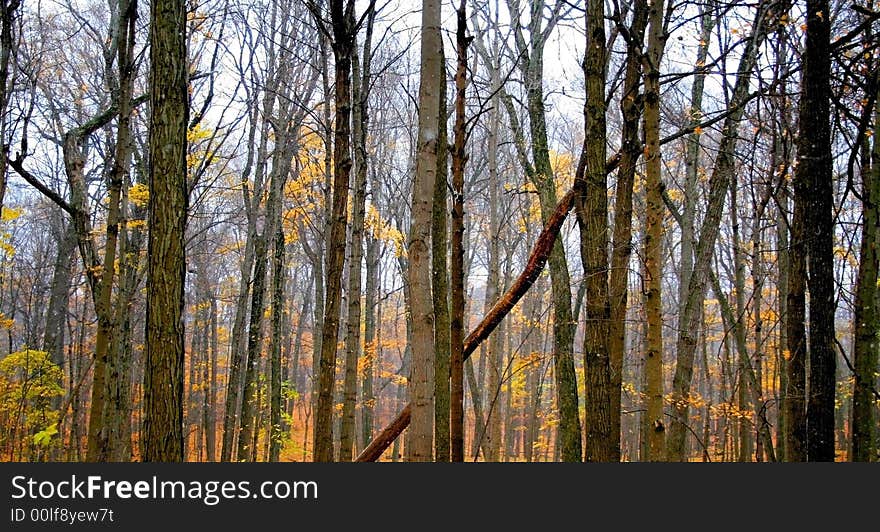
column 418, row 245
column 866, row 318
column 592, row 214
column 343, row 42
column 814, row 190
column 654, row 235
column 162, row 434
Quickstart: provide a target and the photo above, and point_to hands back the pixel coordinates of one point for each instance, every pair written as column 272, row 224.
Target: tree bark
column 440, row 288
column 654, row 236
column 631, row 150
column 456, row 266
column 162, row 433
column 591, row 207
column 867, row 319
column 421, row 384
column 814, row 173
column 344, row 33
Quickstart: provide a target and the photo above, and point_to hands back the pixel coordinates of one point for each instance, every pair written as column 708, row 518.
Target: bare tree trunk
column 344, row 33
column 592, row 214
column 456, row 263
column 59, row 296
column 210, row 413
column 371, row 347
column 654, row 236
column 421, row 385
column 162, row 436
column 492, row 431
column 440, row 287
column 631, row 150
column 102, row 439
column 867, row 319
column 814, row 175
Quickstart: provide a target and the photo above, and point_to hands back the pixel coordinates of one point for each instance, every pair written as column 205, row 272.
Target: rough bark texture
column 342, row 17
column 102, row 440
column 814, row 172
column 162, row 433
column 456, row 266
column 796, row 336
column 654, row 237
column 591, row 207
column 440, row 289
column 360, row 116
column 621, row 248
column 867, row 319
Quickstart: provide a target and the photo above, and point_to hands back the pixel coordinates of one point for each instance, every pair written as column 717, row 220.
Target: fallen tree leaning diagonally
column 534, row 266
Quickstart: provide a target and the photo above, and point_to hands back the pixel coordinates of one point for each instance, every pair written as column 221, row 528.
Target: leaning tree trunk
column 723, row 170
column 537, row 259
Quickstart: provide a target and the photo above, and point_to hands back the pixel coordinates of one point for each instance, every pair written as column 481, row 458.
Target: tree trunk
column 59, row 297
column 631, row 150
column 371, row 347
column 162, row 433
column 440, row 288
column 102, row 439
column 814, row 174
column 421, row 384
column 456, row 262
column 867, row 319
column 344, row 33
column 592, row 214
column 654, row 236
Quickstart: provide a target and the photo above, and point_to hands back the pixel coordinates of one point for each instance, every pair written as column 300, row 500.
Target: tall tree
column 631, row 150
column 418, row 246
column 440, row 286
column 162, row 434
column 592, row 215
column 867, row 318
column 654, row 235
column 360, row 115
column 456, row 261
column 814, row 175
column 344, row 32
